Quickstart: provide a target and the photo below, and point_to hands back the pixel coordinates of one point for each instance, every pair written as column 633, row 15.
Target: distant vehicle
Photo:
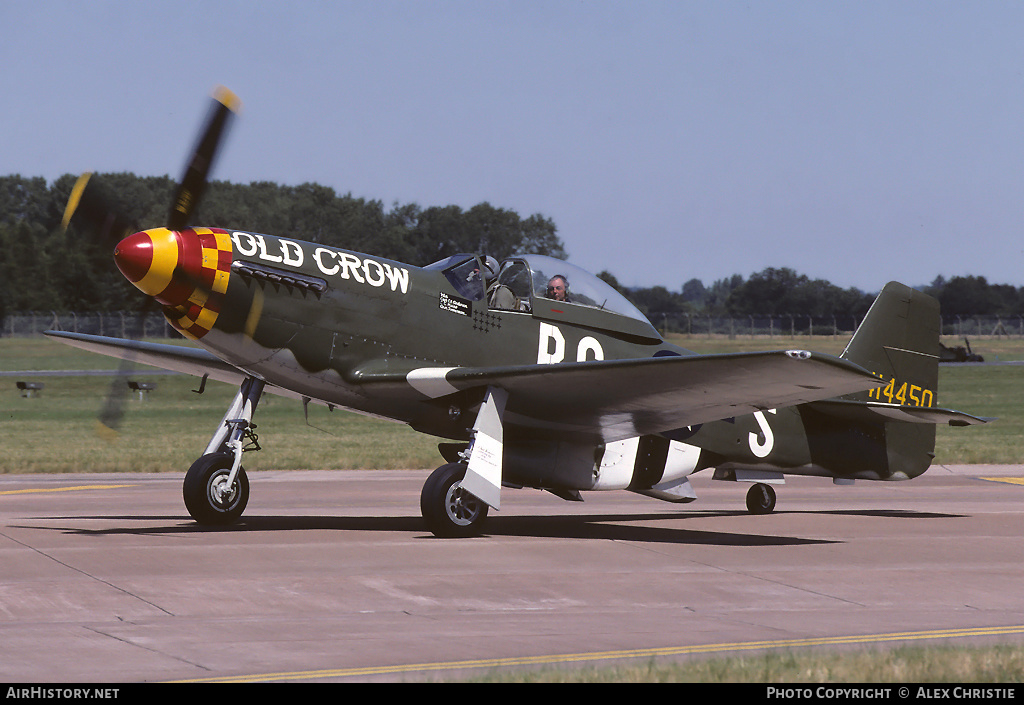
column 538, row 374
column 959, row 353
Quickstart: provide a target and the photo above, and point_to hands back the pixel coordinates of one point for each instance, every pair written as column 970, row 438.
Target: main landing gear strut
column 456, row 497
column 216, row 488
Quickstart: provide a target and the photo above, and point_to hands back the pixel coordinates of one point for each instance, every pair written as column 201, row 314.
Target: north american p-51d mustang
column 535, row 373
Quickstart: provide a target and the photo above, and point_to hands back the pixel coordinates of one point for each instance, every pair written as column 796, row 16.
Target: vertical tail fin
column 899, row 341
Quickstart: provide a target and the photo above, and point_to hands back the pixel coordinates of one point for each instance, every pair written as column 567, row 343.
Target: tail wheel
column 761, row 499
column 450, row 511
column 208, row 497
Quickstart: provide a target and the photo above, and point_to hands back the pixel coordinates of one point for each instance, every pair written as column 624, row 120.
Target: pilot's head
column 558, row 288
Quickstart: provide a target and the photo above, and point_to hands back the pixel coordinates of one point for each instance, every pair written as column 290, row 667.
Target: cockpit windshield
column 538, row 276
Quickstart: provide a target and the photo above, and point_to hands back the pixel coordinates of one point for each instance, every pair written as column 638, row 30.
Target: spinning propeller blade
column 90, row 204
column 193, row 183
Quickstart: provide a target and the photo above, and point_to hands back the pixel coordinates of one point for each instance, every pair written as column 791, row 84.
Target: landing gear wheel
column 450, row 511
column 207, row 496
column 761, row 499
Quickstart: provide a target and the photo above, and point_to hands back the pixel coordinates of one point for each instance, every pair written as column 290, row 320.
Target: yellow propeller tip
column 227, row 98
column 255, row 312
column 110, row 435
column 74, row 199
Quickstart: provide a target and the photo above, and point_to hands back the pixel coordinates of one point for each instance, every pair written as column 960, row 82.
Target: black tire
column 200, row 490
column 761, row 499
column 450, row 511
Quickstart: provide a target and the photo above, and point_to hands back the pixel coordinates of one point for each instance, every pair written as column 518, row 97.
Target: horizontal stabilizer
column 874, row 411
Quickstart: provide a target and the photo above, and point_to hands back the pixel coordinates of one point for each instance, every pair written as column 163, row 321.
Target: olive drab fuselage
column 321, row 321
column 368, row 315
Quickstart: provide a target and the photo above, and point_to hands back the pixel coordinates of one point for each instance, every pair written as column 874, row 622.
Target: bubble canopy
column 521, row 285
column 584, row 289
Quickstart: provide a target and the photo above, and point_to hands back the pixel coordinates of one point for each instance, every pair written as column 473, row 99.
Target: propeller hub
column 147, row 259
column 187, row 271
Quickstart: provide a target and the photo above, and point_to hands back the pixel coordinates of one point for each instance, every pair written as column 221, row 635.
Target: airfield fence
column 128, row 324
column 118, row 324
column 837, row 326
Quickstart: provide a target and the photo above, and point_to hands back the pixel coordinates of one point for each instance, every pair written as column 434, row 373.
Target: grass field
column 56, row 432
column 1001, row 664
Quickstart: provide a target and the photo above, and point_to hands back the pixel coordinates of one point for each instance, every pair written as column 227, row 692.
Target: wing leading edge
column 177, row 358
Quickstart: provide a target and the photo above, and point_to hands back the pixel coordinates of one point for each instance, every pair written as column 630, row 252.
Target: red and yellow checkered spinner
column 185, row 270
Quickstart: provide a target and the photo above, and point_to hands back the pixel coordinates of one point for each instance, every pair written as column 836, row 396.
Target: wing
column 604, row 400
column 616, row 399
column 178, row 358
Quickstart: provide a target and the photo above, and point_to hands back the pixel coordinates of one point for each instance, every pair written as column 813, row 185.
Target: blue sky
column 857, row 142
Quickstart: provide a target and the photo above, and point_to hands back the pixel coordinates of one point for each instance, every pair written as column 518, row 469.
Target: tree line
column 44, row 268
column 781, row 292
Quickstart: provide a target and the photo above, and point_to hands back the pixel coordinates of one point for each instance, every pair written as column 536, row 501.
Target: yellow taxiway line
column 63, row 489
column 604, row 655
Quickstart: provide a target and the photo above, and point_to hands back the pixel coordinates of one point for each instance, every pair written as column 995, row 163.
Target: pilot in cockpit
column 558, row 288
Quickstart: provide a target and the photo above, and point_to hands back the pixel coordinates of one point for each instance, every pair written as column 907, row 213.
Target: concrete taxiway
column 332, row 576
